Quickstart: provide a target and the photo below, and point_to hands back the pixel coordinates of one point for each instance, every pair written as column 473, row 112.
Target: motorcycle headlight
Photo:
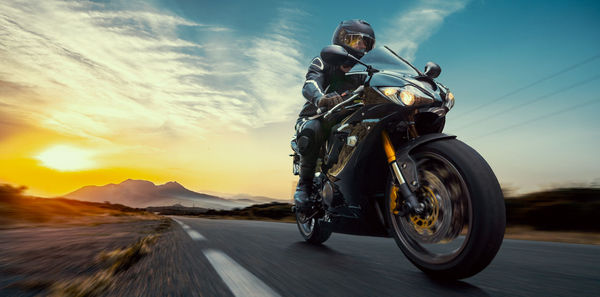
column 406, row 95
column 449, row 100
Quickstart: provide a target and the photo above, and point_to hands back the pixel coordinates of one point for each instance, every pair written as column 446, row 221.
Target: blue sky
column 192, row 83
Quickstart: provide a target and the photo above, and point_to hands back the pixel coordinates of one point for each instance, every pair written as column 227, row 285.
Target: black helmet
column 356, row 36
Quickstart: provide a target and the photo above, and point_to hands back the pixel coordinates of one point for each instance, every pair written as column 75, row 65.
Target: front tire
column 463, row 226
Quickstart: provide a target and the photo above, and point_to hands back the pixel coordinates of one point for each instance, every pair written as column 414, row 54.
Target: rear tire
column 314, row 231
column 464, row 226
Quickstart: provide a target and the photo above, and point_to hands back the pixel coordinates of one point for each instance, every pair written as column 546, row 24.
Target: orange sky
column 254, row 162
column 258, row 167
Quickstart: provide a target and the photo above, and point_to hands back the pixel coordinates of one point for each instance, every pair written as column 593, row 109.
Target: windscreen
column 382, row 58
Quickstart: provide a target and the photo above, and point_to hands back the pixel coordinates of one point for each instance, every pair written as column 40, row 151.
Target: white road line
column 239, row 280
column 192, row 233
column 195, row 235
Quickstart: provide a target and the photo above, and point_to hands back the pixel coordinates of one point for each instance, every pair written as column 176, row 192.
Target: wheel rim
column 306, row 228
column 441, row 232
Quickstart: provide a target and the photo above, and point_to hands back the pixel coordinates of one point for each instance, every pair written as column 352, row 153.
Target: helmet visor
column 360, row 42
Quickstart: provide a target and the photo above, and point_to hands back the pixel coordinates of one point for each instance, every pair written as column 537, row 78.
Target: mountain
column 142, row 193
column 259, row 199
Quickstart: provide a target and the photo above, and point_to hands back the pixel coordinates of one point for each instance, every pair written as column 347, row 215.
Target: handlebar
column 353, row 95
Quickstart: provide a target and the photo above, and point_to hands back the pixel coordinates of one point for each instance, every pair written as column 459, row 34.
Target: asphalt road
column 252, row 258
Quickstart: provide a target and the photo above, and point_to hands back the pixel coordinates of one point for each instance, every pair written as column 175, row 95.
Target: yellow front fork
column 391, row 157
column 388, row 147
column 402, row 186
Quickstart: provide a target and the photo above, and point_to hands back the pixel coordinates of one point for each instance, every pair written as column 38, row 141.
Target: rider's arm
column 315, row 81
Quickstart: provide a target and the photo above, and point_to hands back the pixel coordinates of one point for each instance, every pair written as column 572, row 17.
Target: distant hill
column 558, row 209
column 177, row 209
column 17, row 208
column 142, row 193
column 270, row 211
column 256, row 199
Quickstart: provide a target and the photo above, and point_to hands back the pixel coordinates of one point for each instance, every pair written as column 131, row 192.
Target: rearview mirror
column 334, row 55
column 432, row 70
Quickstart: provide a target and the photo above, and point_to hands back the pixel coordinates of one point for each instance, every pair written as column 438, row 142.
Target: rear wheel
column 462, row 227
column 314, row 230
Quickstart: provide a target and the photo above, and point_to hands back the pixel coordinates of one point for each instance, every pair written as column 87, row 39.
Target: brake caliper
column 423, row 222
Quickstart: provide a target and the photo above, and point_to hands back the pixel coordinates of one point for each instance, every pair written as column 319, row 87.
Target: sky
column 207, row 93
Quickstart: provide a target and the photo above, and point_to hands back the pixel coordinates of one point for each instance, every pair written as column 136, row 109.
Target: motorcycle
column 388, row 170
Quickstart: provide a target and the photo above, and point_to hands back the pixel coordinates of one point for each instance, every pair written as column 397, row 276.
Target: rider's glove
column 329, row 100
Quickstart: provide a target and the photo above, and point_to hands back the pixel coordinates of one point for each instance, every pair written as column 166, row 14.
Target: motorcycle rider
column 322, row 89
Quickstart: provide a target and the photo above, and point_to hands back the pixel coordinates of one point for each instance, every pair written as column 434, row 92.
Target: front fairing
column 396, row 79
column 396, row 72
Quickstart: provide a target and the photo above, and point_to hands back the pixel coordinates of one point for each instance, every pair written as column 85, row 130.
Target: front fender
column 407, row 165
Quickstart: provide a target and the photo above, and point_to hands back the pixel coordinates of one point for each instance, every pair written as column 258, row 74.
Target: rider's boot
column 304, row 190
column 308, row 147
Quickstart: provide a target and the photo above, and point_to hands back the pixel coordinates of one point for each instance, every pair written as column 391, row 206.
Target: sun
column 66, row 158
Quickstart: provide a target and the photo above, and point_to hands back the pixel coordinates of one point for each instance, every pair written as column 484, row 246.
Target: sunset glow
column 66, row 158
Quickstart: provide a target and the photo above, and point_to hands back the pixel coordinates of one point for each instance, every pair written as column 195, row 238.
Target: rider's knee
column 305, row 142
column 310, row 138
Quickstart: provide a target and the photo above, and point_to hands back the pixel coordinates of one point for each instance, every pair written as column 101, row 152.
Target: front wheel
column 462, row 227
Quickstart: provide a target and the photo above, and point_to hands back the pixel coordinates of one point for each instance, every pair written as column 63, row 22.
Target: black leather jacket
column 323, row 78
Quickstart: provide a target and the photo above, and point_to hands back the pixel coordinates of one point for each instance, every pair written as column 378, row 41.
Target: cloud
column 411, row 28
column 279, row 72
column 98, row 71
column 107, row 73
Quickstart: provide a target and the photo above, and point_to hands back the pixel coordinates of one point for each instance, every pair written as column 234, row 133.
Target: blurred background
column 126, row 111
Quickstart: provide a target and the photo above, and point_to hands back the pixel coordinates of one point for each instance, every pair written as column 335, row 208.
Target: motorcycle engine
column 331, row 197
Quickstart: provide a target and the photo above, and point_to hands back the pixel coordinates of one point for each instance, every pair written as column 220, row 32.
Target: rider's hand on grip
column 329, row 100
